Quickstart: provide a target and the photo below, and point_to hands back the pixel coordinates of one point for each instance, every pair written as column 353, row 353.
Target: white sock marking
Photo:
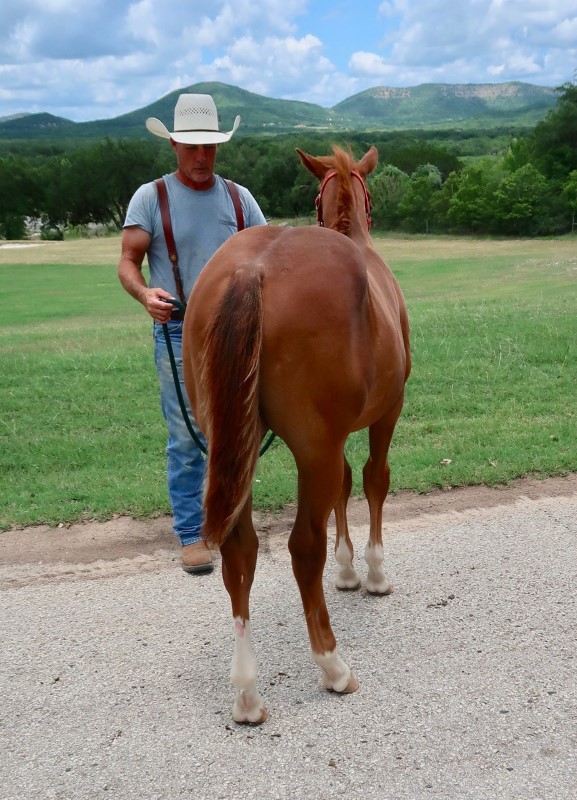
column 377, row 581
column 336, row 673
column 243, row 669
column 248, row 705
column 348, row 577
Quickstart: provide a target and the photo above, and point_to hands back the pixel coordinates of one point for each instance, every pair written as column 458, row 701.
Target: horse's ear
column 368, row 162
column 314, row 165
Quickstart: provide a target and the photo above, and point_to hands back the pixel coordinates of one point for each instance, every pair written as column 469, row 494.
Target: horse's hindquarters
column 332, row 355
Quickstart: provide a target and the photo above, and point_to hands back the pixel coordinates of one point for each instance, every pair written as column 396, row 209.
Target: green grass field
column 494, row 341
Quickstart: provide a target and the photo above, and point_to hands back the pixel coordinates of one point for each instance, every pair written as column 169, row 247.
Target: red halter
column 329, row 176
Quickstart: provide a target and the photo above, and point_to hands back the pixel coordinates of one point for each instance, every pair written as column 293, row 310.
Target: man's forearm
column 132, row 280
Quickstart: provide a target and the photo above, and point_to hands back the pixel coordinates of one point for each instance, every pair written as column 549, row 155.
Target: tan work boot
column 196, row 558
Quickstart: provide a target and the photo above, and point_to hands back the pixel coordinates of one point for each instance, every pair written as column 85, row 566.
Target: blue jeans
column 185, row 463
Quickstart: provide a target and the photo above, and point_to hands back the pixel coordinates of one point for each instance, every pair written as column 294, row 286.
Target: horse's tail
column 230, row 375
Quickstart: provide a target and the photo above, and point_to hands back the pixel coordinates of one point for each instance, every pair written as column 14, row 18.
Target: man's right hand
column 158, row 304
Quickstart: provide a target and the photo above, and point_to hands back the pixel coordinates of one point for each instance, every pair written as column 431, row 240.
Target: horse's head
column 343, row 202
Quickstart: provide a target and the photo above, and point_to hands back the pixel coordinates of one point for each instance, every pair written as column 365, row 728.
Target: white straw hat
column 195, row 122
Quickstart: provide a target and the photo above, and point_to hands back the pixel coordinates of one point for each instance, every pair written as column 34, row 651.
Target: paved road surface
column 114, row 674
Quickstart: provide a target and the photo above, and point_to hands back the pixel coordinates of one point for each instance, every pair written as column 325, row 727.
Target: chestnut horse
column 304, row 332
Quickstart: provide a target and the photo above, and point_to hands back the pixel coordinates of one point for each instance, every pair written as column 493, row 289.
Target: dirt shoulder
column 122, row 545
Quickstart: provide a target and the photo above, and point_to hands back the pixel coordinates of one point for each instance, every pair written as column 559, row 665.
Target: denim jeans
column 185, row 463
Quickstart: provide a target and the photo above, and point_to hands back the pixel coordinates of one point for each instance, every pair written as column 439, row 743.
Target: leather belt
column 177, row 316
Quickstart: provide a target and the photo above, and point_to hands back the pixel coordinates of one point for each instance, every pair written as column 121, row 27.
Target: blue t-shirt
column 201, row 222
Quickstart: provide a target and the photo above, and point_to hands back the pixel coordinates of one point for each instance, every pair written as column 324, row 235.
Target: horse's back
column 304, row 272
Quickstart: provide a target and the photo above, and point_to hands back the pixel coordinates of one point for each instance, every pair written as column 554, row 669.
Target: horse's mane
column 343, row 162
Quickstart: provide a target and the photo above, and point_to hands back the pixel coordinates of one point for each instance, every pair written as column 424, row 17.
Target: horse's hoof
column 381, row 588
column 348, row 579
column 347, row 586
column 248, row 707
column 256, row 717
column 351, row 686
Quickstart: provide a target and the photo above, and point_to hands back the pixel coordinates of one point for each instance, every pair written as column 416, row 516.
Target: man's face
column 196, row 163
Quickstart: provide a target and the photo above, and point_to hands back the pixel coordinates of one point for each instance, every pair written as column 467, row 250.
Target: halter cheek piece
column 333, row 174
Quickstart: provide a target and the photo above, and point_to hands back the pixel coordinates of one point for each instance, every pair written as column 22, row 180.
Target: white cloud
column 474, row 41
column 370, row 64
column 285, row 67
column 98, row 58
column 141, row 20
column 566, row 31
column 386, row 9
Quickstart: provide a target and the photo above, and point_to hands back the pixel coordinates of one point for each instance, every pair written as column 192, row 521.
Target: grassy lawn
column 494, row 342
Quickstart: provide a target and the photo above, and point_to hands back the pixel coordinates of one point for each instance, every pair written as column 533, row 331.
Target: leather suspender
column 231, row 185
column 167, row 227
column 168, row 235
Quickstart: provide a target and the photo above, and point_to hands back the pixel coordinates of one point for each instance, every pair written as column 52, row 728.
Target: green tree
column 409, row 156
column 471, row 205
column 95, row 183
column 519, row 201
column 554, row 141
column 19, row 196
column 570, row 196
column 387, row 188
column 518, row 154
column 103, row 178
column 55, row 201
column 418, row 203
column 442, row 200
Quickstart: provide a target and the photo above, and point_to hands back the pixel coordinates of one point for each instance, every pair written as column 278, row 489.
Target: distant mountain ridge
column 450, row 105
column 433, row 105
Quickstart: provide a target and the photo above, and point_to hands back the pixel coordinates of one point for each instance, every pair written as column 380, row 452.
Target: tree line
column 420, row 185
column 531, row 190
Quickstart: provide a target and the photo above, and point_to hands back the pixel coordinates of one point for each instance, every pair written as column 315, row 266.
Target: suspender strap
column 236, row 203
column 167, row 226
column 168, row 235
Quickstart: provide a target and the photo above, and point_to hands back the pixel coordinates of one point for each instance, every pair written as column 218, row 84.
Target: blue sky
column 96, row 59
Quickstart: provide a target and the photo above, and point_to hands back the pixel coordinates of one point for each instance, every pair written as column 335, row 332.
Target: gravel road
column 114, row 665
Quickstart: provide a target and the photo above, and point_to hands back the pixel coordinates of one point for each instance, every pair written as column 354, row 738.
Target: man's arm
column 135, row 244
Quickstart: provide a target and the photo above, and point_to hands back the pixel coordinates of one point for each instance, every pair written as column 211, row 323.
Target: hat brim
column 158, row 128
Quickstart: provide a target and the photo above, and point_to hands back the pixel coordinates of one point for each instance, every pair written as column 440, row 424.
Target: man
column 202, row 216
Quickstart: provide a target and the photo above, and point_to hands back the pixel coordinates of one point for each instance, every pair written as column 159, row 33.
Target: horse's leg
column 239, row 552
column 320, row 483
column 376, row 481
column 347, row 577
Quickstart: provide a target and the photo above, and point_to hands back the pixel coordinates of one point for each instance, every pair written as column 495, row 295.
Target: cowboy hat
column 195, row 122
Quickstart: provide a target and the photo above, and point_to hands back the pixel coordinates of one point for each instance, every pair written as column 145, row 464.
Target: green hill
column 441, row 106
column 447, row 106
column 34, row 126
